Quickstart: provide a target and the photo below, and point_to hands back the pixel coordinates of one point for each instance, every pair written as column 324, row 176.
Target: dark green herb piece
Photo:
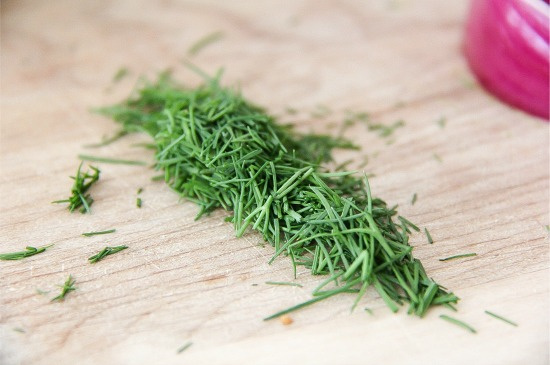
column 413, row 200
column 110, row 160
column 108, row 141
column 203, row 42
column 89, row 234
column 184, row 347
column 82, row 182
column 66, row 288
column 138, row 202
column 29, row 251
column 458, row 256
column 120, row 74
column 139, row 191
column 458, row 323
column 502, row 318
column 368, row 310
column 220, row 151
column 428, row 236
column 283, row 283
column 106, row 252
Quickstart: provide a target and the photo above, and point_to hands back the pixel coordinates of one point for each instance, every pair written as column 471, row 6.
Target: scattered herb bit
column 138, row 202
column 110, row 160
column 501, row 318
column 106, row 252
column 283, row 283
column 321, row 111
column 458, row 256
column 41, row 292
column 66, row 288
column 82, row 182
column 19, row 329
column 157, row 178
column 286, row 320
column 139, row 191
column 442, row 122
column 120, row 74
column 220, row 151
column 203, row 42
column 254, row 284
column 458, row 323
column 368, row 310
column 291, row 111
column 437, row 158
column 413, row 200
column 428, row 236
column 108, row 141
column 89, row 234
column 385, row 130
column 29, row 251
column 547, row 227
column 184, row 347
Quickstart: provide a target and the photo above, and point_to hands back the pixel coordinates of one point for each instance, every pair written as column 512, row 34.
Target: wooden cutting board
column 481, row 182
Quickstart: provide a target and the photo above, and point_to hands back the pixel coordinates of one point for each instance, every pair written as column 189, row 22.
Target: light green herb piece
column 203, row 42
column 184, row 347
column 90, row 234
column 458, row 256
column 283, row 283
column 458, row 323
column 413, row 200
column 111, row 160
column 66, row 288
column 501, row 318
column 138, row 202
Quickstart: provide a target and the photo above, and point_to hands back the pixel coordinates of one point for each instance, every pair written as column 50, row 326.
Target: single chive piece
column 428, row 236
column 458, row 323
column 106, row 252
column 90, row 234
column 66, row 288
column 442, row 122
column 120, row 74
column 203, row 42
column 458, row 256
column 111, row 160
column 283, row 283
column 547, row 227
column 19, row 329
column 82, row 182
column 413, row 200
column 29, row 251
column 437, row 158
column 139, row 191
column 184, row 347
column 368, row 310
column 41, row 292
column 108, row 141
column 138, row 202
column 501, row 318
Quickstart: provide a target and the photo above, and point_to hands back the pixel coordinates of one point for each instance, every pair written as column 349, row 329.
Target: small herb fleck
column 106, row 252
column 29, row 251
column 458, row 323
column 110, row 160
column 501, row 318
column 66, row 288
column 120, row 74
column 413, row 200
column 283, row 283
column 437, row 158
column 203, row 42
column 442, row 122
column 19, row 329
column 428, row 236
column 138, row 202
column 90, row 234
column 184, row 347
column 458, row 256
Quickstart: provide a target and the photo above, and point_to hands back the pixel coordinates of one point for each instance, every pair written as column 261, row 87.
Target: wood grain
column 184, row 280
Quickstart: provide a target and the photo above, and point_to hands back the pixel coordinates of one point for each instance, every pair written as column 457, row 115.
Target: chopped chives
column 458, row 256
column 29, row 251
column 458, row 323
column 82, row 182
column 413, row 200
column 501, row 318
column 66, row 288
column 89, row 234
column 184, row 347
column 283, row 283
column 203, row 42
column 110, row 160
column 428, row 236
column 106, row 252
column 138, row 202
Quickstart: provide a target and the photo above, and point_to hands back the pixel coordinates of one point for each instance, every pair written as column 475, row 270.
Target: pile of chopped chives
column 220, row 151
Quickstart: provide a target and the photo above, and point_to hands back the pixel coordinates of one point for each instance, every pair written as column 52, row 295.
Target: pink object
column 507, row 48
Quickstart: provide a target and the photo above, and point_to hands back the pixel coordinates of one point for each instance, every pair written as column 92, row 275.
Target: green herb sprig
column 458, row 323
column 220, row 151
column 106, row 252
column 66, row 288
column 29, row 251
column 82, row 182
column 90, row 234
